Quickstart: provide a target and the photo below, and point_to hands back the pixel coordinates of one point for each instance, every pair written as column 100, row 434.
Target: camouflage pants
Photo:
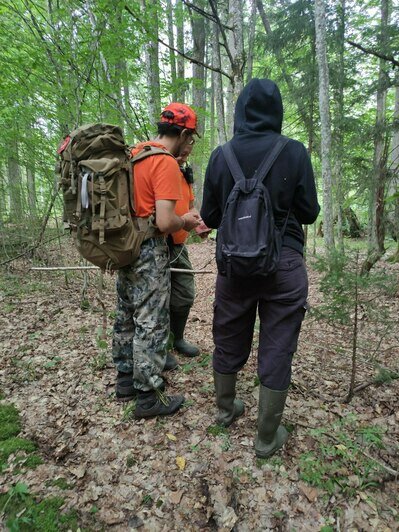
column 141, row 327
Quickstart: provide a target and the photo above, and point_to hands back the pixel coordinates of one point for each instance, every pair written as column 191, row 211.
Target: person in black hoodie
column 280, row 298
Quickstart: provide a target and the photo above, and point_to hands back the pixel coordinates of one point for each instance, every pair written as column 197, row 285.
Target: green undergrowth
column 341, row 461
column 20, row 511
column 11, row 444
column 24, row 513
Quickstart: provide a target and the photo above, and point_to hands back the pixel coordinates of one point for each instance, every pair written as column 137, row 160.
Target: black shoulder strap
column 264, row 167
column 269, row 159
column 232, row 163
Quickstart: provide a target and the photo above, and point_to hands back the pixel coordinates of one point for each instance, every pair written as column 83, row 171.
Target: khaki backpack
column 96, row 178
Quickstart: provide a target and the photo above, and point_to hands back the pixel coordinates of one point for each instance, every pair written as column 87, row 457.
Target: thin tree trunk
column 152, row 63
column 212, row 126
column 14, row 182
column 394, row 173
column 339, row 126
column 198, row 53
column 181, row 93
column 251, row 40
column 376, row 233
column 219, row 101
column 236, row 47
column 321, row 53
column 31, row 182
column 171, row 41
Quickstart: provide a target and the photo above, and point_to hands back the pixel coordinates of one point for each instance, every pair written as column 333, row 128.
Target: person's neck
column 168, row 142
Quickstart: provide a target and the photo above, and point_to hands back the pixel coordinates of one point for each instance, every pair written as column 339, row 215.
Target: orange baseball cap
column 181, row 115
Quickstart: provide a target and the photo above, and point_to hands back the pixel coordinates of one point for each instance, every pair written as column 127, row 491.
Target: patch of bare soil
column 180, row 473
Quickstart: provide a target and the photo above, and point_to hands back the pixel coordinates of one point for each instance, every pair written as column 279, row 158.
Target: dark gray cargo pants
column 280, row 300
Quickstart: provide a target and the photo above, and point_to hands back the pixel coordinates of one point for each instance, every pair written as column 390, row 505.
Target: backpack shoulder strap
column 147, row 151
column 269, row 159
column 232, row 163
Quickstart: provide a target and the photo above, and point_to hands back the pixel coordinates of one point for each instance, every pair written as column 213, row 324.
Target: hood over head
column 259, row 107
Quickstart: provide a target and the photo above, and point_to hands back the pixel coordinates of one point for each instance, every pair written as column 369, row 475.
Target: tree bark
column 181, row 93
column 394, row 177
column 218, row 85
column 31, row 182
column 251, row 40
column 14, row 183
column 324, row 107
column 152, row 64
column 376, row 233
column 339, row 125
column 198, row 89
column 172, row 57
column 236, row 48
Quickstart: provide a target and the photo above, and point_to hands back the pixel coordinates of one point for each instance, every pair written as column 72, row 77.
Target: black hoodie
column 257, row 126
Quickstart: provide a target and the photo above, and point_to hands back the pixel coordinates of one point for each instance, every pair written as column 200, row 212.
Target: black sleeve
column 305, row 207
column 210, row 209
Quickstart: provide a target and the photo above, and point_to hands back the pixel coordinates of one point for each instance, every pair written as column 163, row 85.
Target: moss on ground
column 20, row 510
column 10, row 424
column 25, row 513
column 13, row 446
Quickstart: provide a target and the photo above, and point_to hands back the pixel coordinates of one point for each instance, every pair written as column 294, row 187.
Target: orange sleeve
column 165, row 177
column 192, row 198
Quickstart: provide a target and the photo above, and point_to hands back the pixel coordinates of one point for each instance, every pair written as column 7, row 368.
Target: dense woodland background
column 73, row 62
column 71, row 457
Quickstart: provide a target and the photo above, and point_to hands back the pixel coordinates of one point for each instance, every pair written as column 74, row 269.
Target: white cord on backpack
column 84, row 195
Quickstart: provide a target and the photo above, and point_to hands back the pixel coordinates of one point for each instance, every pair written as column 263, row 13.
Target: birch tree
column 324, row 108
column 151, row 50
column 394, row 173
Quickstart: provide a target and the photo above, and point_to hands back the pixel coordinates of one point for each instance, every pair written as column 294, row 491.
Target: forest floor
column 338, row 470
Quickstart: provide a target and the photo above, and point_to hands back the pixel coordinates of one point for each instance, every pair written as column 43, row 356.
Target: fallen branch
column 64, row 268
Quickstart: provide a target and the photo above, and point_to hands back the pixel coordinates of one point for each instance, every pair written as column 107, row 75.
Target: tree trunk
column 394, row 181
column 321, row 53
column 14, row 183
column 181, row 92
column 152, row 63
column 31, row 182
column 339, row 125
column 376, row 233
column 198, row 53
column 236, row 48
column 251, row 40
column 218, row 84
column 171, row 41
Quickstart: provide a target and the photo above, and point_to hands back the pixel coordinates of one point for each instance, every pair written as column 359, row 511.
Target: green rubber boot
column 229, row 407
column 178, row 322
column 271, row 435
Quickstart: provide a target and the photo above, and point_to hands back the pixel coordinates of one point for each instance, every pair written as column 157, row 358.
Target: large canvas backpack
column 96, row 181
column 248, row 242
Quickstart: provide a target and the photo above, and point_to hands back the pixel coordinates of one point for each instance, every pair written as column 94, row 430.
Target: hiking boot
column 124, row 388
column 271, row 435
column 178, row 322
column 171, row 362
column 149, row 404
column 229, row 407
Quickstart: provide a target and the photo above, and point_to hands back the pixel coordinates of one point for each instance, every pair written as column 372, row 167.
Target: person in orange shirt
column 182, row 284
column 141, row 327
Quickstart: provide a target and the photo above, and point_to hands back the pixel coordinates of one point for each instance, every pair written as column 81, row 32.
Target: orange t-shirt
column 155, row 178
column 183, row 206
